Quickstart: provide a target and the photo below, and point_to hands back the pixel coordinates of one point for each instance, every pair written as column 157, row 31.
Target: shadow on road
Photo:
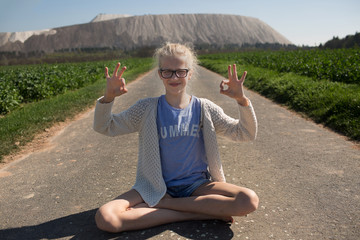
column 82, row 226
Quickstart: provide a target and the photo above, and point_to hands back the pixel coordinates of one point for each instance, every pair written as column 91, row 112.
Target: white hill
column 105, row 17
column 129, row 32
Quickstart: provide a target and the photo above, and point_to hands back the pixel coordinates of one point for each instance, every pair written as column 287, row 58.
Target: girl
column 179, row 174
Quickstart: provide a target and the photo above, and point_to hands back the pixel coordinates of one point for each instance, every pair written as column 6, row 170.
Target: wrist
column 107, row 99
column 243, row 101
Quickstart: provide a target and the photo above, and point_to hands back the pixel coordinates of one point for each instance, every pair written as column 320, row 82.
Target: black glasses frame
column 173, row 72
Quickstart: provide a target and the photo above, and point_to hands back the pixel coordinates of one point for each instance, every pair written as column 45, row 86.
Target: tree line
column 350, row 41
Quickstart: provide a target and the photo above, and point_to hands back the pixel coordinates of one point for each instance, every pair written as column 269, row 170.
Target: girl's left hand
column 234, row 86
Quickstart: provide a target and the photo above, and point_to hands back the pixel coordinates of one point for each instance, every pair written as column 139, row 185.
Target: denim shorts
column 187, row 189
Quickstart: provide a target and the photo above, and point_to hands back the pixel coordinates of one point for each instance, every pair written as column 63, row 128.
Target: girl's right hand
column 115, row 85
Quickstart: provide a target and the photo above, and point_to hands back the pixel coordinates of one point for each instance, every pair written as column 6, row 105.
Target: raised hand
column 234, row 86
column 115, row 85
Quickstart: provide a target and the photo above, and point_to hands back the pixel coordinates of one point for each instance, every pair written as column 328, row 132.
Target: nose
column 173, row 76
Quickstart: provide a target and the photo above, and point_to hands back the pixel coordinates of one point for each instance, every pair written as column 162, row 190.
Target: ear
column 190, row 74
column 159, row 74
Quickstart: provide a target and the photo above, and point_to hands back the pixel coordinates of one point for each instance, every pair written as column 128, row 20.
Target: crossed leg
column 210, row 201
column 217, row 199
column 129, row 212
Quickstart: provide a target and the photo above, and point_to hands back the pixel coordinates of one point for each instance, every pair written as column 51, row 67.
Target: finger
column 229, row 72
column 222, row 85
column 122, row 82
column 225, row 92
column 123, row 88
column 106, row 72
column 116, row 69
column 222, row 88
column 234, row 71
column 243, row 76
column 122, row 71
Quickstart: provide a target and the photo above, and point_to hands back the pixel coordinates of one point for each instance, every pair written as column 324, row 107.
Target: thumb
column 123, row 88
column 123, row 83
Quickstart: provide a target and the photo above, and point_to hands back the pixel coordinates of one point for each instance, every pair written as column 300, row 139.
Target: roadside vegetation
column 337, row 65
column 33, row 98
column 322, row 84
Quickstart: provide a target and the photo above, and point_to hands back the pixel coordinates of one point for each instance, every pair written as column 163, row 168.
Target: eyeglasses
column 180, row 73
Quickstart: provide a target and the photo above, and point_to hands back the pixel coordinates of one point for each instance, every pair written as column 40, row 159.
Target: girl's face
column 174, row 82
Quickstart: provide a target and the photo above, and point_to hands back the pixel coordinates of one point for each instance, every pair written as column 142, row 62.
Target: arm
column 245, row 128
column 242, row 129
column 115, row 124
column 125, row 122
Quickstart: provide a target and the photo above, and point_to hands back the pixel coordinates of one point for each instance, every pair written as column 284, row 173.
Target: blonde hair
column 177, row 50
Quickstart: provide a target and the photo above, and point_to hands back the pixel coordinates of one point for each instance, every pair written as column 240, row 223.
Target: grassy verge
column 20, row 126
column 334, row 104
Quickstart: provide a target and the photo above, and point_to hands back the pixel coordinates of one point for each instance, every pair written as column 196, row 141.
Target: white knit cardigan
column 141, row 117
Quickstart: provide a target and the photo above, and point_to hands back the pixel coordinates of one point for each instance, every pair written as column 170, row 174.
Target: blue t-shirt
column 182, row 149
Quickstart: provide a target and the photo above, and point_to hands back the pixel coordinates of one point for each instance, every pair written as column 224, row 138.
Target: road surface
column 307, row 178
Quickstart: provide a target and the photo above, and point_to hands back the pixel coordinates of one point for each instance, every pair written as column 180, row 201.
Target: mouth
column 174, row 84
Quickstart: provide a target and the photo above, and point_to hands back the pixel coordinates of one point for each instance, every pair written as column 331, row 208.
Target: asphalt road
column 307, row 178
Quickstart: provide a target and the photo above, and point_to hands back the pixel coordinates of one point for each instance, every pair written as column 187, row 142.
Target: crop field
column 34, row 97
column 25, row 84
column 339, row 65
column 322, row 84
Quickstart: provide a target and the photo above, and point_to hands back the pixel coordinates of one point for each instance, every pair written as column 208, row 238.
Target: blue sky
column 303, row 22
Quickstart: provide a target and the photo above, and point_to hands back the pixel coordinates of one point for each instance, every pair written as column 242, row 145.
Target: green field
column 322, row 84
column 25, row 84
column 337, row 65
column 35, row 97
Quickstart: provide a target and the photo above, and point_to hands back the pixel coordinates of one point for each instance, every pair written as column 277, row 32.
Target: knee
column 247, row 202
column 253, row 202
column 107, row 221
